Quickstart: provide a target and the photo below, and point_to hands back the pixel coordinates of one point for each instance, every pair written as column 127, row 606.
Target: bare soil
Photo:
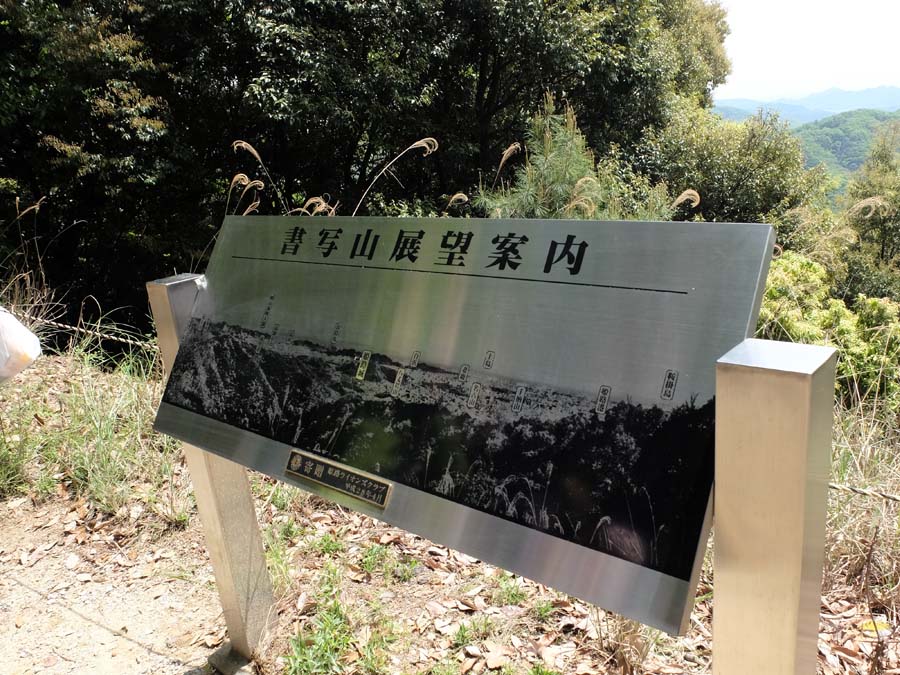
column 80, row 597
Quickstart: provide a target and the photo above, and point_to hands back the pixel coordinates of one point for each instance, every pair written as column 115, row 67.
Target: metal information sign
column 539, row 394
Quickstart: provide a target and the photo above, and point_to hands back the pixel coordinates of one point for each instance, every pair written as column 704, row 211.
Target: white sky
column 791, row 48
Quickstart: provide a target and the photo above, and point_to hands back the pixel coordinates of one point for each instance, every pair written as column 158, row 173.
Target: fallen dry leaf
column 495, row 656
column 16, row 503
column 446, row 627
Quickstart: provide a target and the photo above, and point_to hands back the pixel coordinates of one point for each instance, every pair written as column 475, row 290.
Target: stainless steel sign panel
column 539, row 393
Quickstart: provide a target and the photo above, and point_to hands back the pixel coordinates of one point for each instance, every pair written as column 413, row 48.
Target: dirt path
column 81, row 594
column 74, row 600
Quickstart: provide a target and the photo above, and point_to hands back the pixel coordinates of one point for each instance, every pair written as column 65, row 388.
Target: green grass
column 86, row 422
column 443, row 668
column 282, row 496
column 373, row 558
column 318, row 651
column 464, row 636
column 377, row 558
column 277, row 539
column 403, row 569
column 542, row 610
column 508, row 591
column 373, row 659
column 326, row 544
column 540, row 670
column 322, row 647
column 13, row 458
column 473, row 631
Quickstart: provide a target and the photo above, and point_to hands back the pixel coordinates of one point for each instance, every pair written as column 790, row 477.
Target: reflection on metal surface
column 771, row 493
column 493, row 432
column 222, row 493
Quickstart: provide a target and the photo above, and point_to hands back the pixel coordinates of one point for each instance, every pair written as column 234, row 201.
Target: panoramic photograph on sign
column 539, row 394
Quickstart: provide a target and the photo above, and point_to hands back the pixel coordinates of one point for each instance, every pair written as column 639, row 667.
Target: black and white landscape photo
column 631, row 481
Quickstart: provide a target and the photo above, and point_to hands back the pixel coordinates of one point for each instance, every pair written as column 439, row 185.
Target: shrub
column 561, row 179
column 797, row 308
column 867, row 276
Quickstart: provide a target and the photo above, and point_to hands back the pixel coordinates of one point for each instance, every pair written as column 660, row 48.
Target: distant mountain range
column 815, row 106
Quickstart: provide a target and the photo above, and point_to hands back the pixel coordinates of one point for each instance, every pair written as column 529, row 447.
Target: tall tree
column 122, row 114
column 751, row 171
column 875, row 193
column 695, row 32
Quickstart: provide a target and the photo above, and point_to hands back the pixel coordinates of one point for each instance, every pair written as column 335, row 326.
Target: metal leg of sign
column 224, row 500
column 774, row 407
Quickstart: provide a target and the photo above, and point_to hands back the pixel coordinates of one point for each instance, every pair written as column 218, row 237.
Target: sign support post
column 224, row 500
column 774, row 409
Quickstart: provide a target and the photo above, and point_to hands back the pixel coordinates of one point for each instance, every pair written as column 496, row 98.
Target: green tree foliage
column 695, row 32
column 560, row 179
column 798, row 307
column 344, row 85
column 87, row 123
column 875, row 194
column 750, row 171
column 122, row 114
column 867, row 275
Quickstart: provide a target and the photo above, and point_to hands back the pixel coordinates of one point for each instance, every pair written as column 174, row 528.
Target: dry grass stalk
column 869, row 207
column 239, row 180
column 582, row 183
column 509, row 152
column 314, row 206
column 317, row 205
column 28, row 297
column 456, row 200
column 688, row 195
column 23, row 282
column 244, row 145
column 428, row 146
column 580, row 203
column 866, row 454
column 34, row 207
column 252, row 185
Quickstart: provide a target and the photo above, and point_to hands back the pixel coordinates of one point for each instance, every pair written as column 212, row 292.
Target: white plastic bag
column 19, row 347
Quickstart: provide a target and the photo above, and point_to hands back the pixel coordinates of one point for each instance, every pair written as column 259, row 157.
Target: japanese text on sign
column 361, row 486
column 507, row 250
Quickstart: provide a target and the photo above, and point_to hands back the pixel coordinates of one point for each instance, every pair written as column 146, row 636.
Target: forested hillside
column 841, row 142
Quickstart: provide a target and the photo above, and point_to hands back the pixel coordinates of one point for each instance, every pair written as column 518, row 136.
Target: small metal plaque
column 357, row 484
column 538, row 394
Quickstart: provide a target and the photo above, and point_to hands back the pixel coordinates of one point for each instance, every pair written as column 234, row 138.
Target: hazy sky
column 791, row 48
